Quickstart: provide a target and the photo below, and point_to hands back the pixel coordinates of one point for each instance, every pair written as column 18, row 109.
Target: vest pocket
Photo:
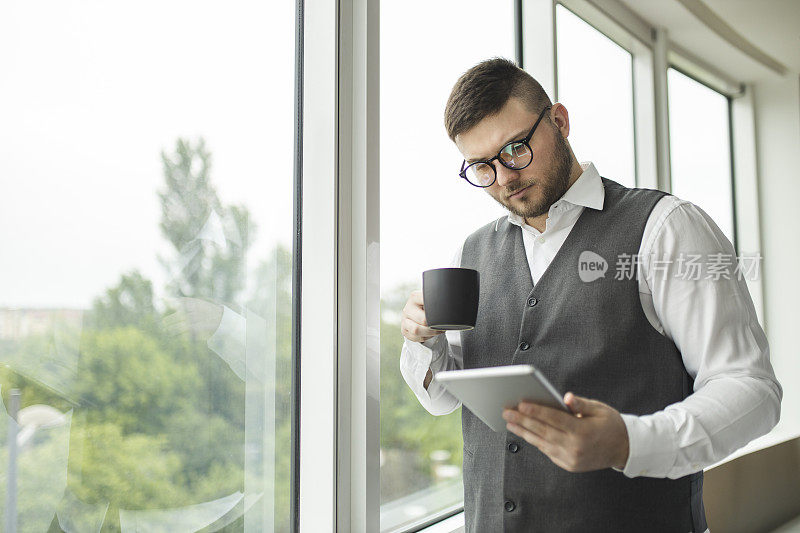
column 475, row 460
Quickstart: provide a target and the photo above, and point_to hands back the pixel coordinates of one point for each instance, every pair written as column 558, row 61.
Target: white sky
column 426, row 208
column 89, row 96
column 700, row 162
column 91, row 93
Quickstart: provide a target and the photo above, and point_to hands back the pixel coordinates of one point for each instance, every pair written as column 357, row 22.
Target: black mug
column 450, row 298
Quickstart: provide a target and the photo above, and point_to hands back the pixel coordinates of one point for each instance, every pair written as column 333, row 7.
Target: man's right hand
column 413, row 326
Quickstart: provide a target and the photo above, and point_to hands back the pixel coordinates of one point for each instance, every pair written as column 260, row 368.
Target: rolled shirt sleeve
column 442, row 352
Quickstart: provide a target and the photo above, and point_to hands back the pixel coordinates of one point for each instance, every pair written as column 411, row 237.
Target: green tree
column 129, row 303
column 210, row 240
column 159, row 418
column 157, row 409
column 127, row 378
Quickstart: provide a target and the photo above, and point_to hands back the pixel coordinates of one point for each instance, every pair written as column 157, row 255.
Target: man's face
column 544, row 181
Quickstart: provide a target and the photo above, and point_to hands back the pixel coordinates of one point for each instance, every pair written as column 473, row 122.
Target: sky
column 89, row 97
column 426, row 208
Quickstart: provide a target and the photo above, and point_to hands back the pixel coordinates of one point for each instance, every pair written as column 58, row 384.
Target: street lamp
column 22, row 424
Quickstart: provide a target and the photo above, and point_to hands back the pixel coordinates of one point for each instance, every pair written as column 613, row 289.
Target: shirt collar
column 587, row 191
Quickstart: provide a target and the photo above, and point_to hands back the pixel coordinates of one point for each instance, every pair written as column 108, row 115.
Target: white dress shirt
column 713, row 323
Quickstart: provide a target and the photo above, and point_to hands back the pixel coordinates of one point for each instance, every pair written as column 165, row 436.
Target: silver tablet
column 486, row 391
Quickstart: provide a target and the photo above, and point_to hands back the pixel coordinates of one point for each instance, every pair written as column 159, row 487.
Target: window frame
column 297, row 286
column 317, row 432
column 339, row 428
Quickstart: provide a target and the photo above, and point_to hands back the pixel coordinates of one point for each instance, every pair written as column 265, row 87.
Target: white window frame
column 318, row 335
column 358, row 269
column 340, row 348
column 747, row 200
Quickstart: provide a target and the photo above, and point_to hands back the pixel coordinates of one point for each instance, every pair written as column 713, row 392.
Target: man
column 677, row 367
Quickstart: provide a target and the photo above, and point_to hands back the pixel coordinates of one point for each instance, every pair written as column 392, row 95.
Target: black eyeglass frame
column 526, row 141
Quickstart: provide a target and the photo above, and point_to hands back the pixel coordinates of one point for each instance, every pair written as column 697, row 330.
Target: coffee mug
column 450, row 298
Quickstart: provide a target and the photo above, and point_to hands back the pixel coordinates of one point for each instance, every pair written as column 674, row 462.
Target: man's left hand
column 592, row 438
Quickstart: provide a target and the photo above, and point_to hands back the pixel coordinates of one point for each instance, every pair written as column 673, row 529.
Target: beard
column 551, row 188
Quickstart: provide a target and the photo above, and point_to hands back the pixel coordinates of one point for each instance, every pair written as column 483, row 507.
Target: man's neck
column 540, row 222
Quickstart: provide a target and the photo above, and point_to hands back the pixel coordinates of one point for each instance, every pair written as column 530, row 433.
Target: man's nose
column 505, row 175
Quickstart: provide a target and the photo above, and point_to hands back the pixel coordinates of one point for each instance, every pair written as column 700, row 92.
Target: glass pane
column 145, row 274
column 595, row 85
column 427, row 211
column 699, row 144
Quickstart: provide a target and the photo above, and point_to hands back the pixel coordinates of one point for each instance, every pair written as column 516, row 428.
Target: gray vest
column 591, row 338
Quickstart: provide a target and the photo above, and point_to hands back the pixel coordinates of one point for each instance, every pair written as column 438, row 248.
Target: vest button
column 524, row 346
column 532, row 302
column 509, row 506
column 513, row 447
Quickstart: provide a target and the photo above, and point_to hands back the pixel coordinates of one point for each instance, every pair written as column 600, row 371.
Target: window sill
column 453, row 524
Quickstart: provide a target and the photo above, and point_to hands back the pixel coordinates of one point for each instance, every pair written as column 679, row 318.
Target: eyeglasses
column 515, row 155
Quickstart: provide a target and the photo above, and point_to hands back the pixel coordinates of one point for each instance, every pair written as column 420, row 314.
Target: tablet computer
column 487, row 391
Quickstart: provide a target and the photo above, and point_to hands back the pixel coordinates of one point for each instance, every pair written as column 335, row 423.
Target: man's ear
column 559, row 116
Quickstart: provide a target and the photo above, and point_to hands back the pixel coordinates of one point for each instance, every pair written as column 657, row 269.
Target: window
column 426, row 212
column 595, row 85
column 700, row 156
column 145, row 280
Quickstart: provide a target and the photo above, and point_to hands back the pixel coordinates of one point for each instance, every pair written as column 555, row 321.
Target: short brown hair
column 484, row 89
